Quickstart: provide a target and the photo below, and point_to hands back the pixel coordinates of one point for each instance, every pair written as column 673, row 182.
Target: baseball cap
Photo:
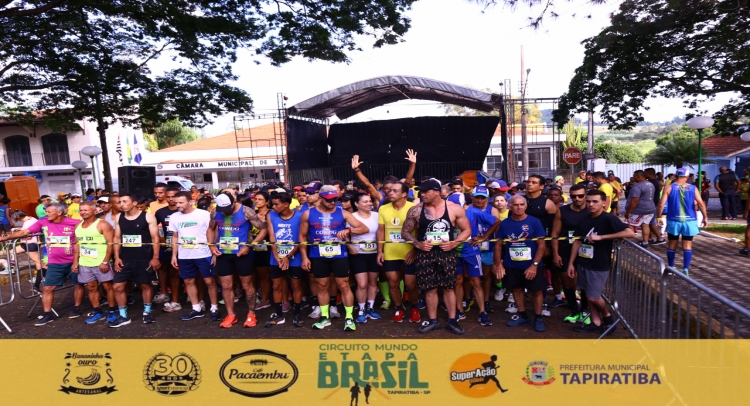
column 298, row 187
column 682, row 172
column 430, row 184
column 313, row 187
column 514, row 184
column 495, row 185
column 558, row 177
column 521, row 186
column 75, row 195
column 501, row 185
column 104, row 199
column 329, row 195
column 480, row 191
column 224, row 203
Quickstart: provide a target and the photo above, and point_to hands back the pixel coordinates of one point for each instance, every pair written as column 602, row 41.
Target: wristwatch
column 536, row 263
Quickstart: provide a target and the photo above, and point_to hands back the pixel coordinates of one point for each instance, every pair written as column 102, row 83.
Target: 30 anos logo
column 172, row 376
column 539, row 373
column 258, row 373
column 88, row 374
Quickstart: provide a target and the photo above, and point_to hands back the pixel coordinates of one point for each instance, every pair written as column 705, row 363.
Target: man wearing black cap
column 435, row 221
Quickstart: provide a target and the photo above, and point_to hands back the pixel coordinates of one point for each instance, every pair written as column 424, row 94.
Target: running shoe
column 349, row 325
column 385, row 305
column 644, row 244
column 500, row 295
column 298, row 321
column 371, row 314
column 488, row 307
column 454, row 328
column 467, row 305
column 285, row 307
column 511, row 298
column 172, row 307
column 399, row 316
column 75, row 312
column 517, row 321
column 263, row 304
column 361, row 316
column 148, row 318
column 745, row 252
column 119, row 322
column 460, row 315
column 557, row 303
column 322, row 323
column 539, row 326
column 251, row 321
column 96, row 316
column 111, row 317
column 45, row 319
column 573, row 318
column 414, row 317
column 192, row 315
column 585, row 317
column 484, row 319
column 275, row 319
column 657, row 242
column 512, row 307
column 315, row 314
column 545, row 310
column 427, row 326
column 589, row 328
column 686, row 272
column 334, row 312
column 215, row 316
column 229, row 321
column 161, row 298
column 131, row 300
column 421, row 304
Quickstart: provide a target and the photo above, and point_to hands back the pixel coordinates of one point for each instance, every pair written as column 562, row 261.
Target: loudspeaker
column 137, row 180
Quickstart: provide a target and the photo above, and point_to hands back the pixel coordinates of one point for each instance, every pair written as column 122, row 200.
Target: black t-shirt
column 569, row 219
column 657, row 190
column 162, row 217
column 598, row 255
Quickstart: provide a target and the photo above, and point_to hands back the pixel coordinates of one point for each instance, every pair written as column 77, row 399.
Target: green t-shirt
column 40, row 213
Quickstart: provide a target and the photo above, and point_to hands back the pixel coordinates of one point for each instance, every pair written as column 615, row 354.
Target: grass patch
column 727, row 230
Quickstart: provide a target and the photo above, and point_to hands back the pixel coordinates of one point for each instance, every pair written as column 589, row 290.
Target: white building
column 542, row 146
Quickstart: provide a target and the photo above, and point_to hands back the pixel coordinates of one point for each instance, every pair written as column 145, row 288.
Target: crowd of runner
column 367, row 246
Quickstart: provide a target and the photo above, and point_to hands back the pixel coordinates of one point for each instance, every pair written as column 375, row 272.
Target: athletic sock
column 147, row 307
column 112, row 309
column 277, row 308
column 670, row 257
column 99, row 310
column 537, row 317
column 314, row 301
column 523, row 315
column 584, row 301
column 433, row 320
column 349, row 310
column 297, row 308
column 324, row 311
column 385, row 290
column 196, row 307
column 361, row 306
column 333, row 301
column 687, row 256
column 371, row 304
column 215, row 307
column 123, row 311
column 400, row 307
column 453, row 320
column 570, row 296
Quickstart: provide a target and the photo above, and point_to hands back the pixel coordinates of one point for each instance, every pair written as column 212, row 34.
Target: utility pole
column 591, row 136
column 524, row 146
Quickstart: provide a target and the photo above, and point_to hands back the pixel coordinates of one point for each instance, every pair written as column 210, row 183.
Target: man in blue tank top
column 283, row 229
column 681, row 198
column 325, row 225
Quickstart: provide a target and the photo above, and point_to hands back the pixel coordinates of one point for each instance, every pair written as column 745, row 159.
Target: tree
column 174, row 133
column 78, row 59
column 687, row 49
column 533, row 114
column 616, row 153
column 677, row 152
column 683, row 132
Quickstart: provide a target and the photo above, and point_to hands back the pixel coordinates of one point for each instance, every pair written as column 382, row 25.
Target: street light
column 92, row 152
column 700, row 123
column 80, row 165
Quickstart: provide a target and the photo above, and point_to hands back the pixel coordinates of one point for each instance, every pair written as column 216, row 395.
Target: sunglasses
column 578, row 196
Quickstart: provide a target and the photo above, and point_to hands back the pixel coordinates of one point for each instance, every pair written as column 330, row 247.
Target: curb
column 707, row 234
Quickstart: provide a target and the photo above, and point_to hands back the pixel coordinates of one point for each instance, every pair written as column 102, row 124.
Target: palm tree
column 677, row 152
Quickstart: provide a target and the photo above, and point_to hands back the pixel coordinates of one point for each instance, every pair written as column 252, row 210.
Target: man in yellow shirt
column 160, row 192
column 581, row 177
column 617, row 188
column 75, row 207
column 602, row 184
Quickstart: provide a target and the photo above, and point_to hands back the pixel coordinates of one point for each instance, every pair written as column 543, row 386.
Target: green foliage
column 617, row 153
column 683, row 132
column 174, row 133
column 676, row 151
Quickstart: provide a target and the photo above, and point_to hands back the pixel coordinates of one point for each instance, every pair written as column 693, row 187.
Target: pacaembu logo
column 258, row 373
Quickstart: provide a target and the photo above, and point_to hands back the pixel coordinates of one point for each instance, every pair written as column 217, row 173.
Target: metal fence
column 652, row 300
column 40, row 159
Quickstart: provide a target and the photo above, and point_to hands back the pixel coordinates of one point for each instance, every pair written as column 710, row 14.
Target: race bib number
column 395, row 236
column 571, row 237
column 229, row 243
column 484, row 246
column 61, row 241
column 329, row 250
column 284, row 250
column 437, row 237
column 131, row 241
column 187, row 242
column 89, row 252
column 169, row 239
column 586, row 251
column 261, row 247
column 520, row 254
column 368, row 246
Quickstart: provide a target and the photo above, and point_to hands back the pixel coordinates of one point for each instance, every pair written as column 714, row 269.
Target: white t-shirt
column 372, row 224
column 191, row 229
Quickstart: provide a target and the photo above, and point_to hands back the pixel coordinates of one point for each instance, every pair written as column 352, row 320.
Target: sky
column 452, row 41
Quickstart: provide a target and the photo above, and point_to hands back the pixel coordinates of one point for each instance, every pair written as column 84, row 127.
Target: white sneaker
column 512, row 308
column 511, row 299
column 170, row 307
column 545, row 311
column 161, row 298
column 315, row 313
column 203, row 305
column 500, row 295
column 334, row 312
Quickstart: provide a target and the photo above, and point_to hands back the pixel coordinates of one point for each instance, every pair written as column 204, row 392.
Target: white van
column 175, row 181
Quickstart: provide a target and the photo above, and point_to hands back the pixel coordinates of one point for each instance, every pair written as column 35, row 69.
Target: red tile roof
column 725, row 146
column 264, row 135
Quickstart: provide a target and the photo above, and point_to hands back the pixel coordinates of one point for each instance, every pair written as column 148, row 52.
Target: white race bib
column 131, row 241
column 229, row 243
column 329, row 250
column 59, row 241
column 484, row 246
column 520, row 254
column 284, row 250
column 169, row 239
column 187, row 242
column 368, row 246
column 395, row 236
column 571, row 236
column 89, row 252
column 436, row 237
column 586, row 251
column 260, row 247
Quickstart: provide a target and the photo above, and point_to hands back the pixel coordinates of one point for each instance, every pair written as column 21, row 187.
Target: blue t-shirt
column 480, row 221
column 4, row 215
column 520, row 254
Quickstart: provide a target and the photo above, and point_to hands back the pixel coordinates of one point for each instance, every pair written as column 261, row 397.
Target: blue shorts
column 487, row 257
column 472, row 265
column 56, row 274
column 683, row 228
column 192, row 268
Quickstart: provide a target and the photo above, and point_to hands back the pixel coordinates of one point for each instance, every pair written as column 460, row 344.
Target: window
column 494, row 163
column 17, row 151
column 538, row 158
column 56, row 149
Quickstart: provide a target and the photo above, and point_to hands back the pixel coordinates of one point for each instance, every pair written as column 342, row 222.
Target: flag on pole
column 118, row 149
column 136, row 150
column 127, row 151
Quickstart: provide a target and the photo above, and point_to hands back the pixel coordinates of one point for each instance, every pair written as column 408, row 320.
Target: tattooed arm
column 411, row 222
column 253, row 218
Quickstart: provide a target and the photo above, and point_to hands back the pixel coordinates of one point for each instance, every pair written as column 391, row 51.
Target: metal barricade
column 693, row 310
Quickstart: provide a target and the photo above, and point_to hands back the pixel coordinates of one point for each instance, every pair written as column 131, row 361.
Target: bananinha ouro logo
column 258, row 373
column 88, row 374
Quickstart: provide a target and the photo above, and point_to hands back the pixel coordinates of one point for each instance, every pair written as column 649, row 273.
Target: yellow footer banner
column 375, row 372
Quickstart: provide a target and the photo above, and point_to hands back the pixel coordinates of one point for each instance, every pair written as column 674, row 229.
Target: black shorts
column 227, row 264
column 435, row 269
column 134, row 271
column 7, row 227
column 261, row 258
column 30, row 247
column 294, row 271
column 397, row 264
column 515, row 279
column 361, row 263
column 323, row 267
